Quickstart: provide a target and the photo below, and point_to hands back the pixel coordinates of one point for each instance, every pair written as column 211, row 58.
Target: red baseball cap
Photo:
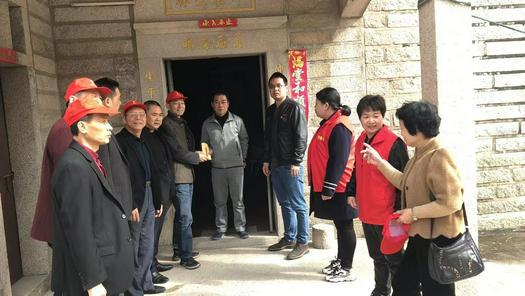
column 83, row 107
column 175, row 95
column 82, row 84
column 395, row 235
column 133, row 103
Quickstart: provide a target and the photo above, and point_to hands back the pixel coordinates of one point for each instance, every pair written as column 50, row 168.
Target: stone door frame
column 161, row 41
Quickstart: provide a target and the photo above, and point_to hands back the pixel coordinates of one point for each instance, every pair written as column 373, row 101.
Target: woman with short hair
column 431, row 171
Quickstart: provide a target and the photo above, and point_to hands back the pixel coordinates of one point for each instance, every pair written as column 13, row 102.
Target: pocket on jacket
column 105, row 251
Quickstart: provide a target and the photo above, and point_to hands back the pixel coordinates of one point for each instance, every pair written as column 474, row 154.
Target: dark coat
column 137, row 172
column 163, row 162
column 58, row 140
column 92, row 243
column 167, row 132
column 117, row 171
column 286, row 133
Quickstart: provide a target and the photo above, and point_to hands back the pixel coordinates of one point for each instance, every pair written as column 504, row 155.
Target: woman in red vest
column 431, row 198
column 330, row 164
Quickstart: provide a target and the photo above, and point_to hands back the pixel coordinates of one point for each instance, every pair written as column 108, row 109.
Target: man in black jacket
column 162, row 160
column 181, row 143
column 146, row 197
column 285, row 145
column 92, row 248
column 111, row 155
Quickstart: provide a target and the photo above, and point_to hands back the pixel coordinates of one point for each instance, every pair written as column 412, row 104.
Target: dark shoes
column 334, row 264
column 175, row 258
column 298, row 251
column 164, row 267
column 243, row 234
column 339, row 275
column 217, row 235
column 159, row 278
column 176, row 255
column 190, row 263
column 156, row 290
column 281, row 245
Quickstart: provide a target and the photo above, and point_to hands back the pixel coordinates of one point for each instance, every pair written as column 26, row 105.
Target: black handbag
column 457, row 261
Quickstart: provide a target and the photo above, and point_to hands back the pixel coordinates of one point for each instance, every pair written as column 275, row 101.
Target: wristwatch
column 414, row 217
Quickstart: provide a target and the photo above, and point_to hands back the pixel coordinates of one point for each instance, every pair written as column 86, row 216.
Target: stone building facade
column 358, row 47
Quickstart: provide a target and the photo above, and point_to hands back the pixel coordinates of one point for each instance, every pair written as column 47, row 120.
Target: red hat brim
column 72, row 117
column 133, row 105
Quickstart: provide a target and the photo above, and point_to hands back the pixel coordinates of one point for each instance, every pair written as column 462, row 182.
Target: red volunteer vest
column 318, row 154
column 375, row 195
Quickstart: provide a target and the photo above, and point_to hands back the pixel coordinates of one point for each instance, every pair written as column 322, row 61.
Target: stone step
column 31, row 285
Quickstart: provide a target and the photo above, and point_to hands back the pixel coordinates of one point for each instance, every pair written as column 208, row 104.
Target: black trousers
column 385, row 266
column 346, row 242
column 412, row 275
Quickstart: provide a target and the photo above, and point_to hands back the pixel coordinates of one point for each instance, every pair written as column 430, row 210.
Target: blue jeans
column 184, row 236
column 290, row 194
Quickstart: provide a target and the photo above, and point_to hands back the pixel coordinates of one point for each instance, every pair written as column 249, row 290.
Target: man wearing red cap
column 58, row 140
column 92, row 247
column 181, row 143
column 147, row 203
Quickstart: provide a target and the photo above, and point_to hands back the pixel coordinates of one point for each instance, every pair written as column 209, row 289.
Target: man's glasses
column 136, row 115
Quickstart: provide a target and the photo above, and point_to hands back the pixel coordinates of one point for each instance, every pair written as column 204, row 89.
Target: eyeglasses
column 277, row 86
column 136, row 115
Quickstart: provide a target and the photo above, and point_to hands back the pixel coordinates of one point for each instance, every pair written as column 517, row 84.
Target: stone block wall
column 499, row 89
column 391, row 56
column 334, row 50
column 95, row 41
column 42, row 42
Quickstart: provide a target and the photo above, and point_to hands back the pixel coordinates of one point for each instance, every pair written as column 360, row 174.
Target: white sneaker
column 336, row 263
column 340, row 275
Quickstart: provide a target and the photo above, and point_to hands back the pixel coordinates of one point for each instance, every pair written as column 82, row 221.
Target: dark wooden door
column 8, row 201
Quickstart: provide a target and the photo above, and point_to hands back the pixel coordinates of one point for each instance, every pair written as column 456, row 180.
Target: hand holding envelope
column 206, row 150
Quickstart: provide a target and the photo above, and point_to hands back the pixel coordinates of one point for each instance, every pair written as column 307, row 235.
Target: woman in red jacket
column 330, row 164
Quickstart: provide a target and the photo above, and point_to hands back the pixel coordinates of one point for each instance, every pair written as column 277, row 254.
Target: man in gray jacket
column 225, row 134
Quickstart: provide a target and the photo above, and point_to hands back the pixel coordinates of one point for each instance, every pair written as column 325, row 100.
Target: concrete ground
column 244, row 267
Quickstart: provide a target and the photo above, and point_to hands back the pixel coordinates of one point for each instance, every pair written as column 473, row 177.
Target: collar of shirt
column 95, row 158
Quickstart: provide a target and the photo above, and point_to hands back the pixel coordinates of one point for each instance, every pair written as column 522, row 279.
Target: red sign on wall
column 298, row 77
column 7, row 55
column 218, row 23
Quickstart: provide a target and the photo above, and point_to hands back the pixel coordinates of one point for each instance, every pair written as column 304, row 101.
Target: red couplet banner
column 298, row 77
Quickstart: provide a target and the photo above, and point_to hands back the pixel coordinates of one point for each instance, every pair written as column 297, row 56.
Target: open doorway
column 242, row 79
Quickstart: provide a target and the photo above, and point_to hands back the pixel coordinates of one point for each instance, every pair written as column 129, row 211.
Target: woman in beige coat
column 431, row 171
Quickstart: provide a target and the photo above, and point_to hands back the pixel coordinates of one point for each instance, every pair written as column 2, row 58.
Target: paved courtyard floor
column 243, row 267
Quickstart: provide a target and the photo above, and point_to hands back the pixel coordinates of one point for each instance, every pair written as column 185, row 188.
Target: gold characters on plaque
column 221, row 41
